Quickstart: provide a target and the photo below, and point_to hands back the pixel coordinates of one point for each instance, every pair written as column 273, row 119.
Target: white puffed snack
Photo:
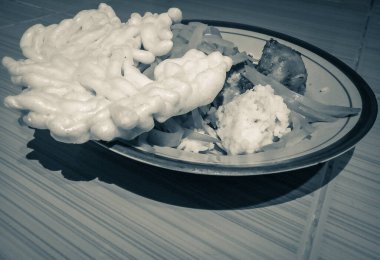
column 82, row 82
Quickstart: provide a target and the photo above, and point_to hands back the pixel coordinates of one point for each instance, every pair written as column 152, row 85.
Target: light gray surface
column 80, row 201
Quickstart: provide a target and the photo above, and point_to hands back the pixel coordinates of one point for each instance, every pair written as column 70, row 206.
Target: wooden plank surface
column 81, row 201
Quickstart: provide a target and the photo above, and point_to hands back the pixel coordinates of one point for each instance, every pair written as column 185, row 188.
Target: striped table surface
column 81, row 201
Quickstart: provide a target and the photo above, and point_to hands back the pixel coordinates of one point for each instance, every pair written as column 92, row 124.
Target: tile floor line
column 364, row 35
column 308, row 236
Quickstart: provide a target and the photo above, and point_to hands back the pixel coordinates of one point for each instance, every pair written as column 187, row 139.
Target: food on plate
column 158, row 82
column 284, row 65
column 252, row 120
column 212, row 132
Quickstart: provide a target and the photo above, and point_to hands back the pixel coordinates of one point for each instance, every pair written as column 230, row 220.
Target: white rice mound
column 252, row 120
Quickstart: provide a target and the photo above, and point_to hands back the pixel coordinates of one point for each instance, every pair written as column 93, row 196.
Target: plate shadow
column 89, row 161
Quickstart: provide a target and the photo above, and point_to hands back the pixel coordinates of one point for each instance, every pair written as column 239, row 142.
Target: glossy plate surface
column 330, row 81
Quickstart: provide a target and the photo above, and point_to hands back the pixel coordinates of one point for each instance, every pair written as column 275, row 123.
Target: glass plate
column 330, row 81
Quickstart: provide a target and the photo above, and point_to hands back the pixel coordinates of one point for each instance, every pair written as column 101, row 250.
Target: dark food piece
column 283, row 64
column 243, row 84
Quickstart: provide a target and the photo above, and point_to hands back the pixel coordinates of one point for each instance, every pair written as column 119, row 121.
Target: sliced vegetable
column 314, row 110
column 191, row 134
column 197, row 35
column 197, row 119
column 240, row 58
column 161, row 138
column 301, row 129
